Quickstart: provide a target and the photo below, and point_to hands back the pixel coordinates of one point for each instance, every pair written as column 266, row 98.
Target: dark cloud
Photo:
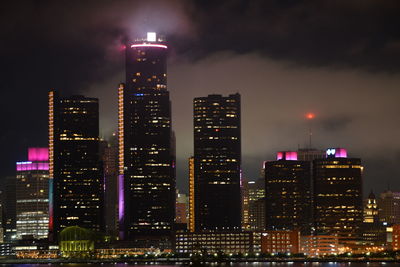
column 339, row 59
column 337, row 123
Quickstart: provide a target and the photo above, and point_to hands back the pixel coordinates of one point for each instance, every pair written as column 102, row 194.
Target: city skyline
column 353, row 94
column 192, row 130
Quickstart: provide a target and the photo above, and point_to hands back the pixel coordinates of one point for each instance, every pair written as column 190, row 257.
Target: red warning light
column 310, row 116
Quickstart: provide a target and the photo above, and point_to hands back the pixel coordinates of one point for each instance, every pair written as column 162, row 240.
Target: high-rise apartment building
column 288, row 193
column 74, row 163
column 338, row 202
column 217, row 162
column 32, row 195
column 146, row 149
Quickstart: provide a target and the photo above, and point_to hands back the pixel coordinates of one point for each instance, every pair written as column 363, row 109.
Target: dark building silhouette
column 288, row 194
column 8, row 194
column 338, row 202
column 74, row 163
column 217, row 162
column 109, row 156
column 146, row 149
column 389, row 207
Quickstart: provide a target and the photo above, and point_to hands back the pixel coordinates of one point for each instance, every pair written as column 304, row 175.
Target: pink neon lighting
column 286, row 155
column 121, row 205
column 31, row 166
column 341, row 153
column 291, row 155
column 38, row 154
column 149, row 45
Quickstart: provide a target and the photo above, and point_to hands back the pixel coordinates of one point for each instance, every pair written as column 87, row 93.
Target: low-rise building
column 396, row 237
column 319, row 245
column 209, row 242
column 280, row 242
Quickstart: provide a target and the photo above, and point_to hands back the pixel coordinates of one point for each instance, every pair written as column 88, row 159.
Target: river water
column 242, row 264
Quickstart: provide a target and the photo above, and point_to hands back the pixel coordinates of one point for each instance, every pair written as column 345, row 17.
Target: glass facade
column 75, row 162
column 146, row 155
column 217, row 162
column 338, row 203
column 288, row 195
column 32, row 201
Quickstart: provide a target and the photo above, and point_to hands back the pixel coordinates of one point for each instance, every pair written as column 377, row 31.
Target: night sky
column 339, row 59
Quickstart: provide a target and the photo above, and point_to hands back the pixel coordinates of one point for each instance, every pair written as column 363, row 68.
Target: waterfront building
column 338, row 202
column 288, row 193
column 315, row 246
column 74, row 163
column 76, row 242
column 396, row 237
column 210, row 242
column 217, row 162
column 280, row 242
column 32, row 195
column 146, row 145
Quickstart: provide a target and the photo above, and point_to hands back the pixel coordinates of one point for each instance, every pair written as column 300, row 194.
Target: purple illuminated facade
column 32, row 166
column 38, row 154
column 32, row 195
column 121, row 204
column 286, row 155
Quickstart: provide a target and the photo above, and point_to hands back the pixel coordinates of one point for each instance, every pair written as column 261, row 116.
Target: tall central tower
column 146, row 160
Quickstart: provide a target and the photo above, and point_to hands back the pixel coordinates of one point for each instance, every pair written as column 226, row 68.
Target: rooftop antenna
column 310, row 116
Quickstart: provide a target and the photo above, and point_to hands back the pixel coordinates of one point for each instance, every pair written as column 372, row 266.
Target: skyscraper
column 146, row 154
column 217, row 162
column 338, row 202
column 74, row 163
column 288, row 193
column 32, row 195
